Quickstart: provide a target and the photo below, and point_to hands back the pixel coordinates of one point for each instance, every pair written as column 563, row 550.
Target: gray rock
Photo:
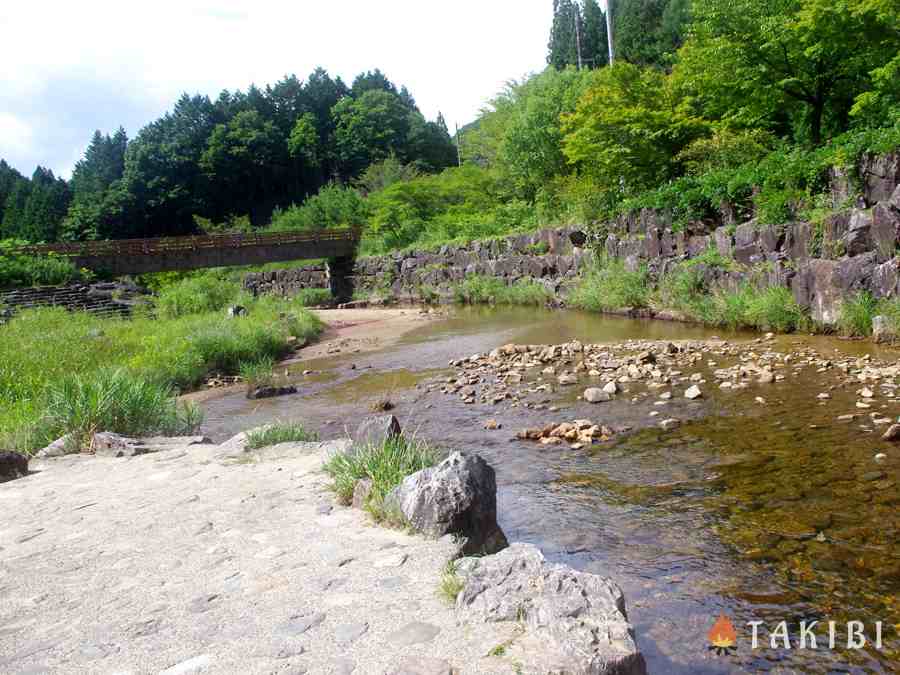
column 12, row 466
column 107, row 444
column 892, row 433
column 458, row 496
column 375, row 431
column 596, row 395
column 259, row 393
column 198, row 664
column 361, row 492
column 61, row 446
column 414, row 633
column 859, row 234
column 340, row 446
column 693, row 392
column 342, row 667
column 881, row 330
column 421, row 665
column 577, row 619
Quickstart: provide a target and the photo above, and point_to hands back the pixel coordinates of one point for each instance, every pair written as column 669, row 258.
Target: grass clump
column 258, row 373
column 112, row 400
column 451, row 583
column 386, row 465
column 484, row 290
column 610, row 286
column 196, row 295
column 280, row 432
column 312, row 297
column 855, row 315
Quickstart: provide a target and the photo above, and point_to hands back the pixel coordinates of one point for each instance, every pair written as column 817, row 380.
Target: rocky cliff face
column 854, row 249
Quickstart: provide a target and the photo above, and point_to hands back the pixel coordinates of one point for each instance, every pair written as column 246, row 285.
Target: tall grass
column 855, row 315
column 483, row 290
column 42, row 347
column 280, row 432
column 386, row 465
column 310, row 297
column 112, row 400
column 196, row 295
column 257, row 373
column 608, row 285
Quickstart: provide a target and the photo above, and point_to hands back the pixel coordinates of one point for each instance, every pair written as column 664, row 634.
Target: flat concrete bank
column 205, row 558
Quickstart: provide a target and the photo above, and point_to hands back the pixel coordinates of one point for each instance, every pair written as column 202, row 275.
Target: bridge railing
column 165, row 245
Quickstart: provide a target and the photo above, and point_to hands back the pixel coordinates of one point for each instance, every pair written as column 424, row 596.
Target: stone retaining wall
column 852, row 250
column 106, row 299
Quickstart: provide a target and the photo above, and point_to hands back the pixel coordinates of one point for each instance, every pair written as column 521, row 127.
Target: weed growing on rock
column 451, row 584
column 482, row 290
column 855, row 315
column 610, row 286
column 280, row 432
column 386, row 465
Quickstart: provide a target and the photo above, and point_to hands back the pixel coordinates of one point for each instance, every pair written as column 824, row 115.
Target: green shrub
column 334, row 206
column 608, row 285
column 451, row 583
column 775, row 309
column 196, row 295
column 257, row 373
column 113, row 400
column 385, row 465
column 18, row 270
column 483, row 290
column 311, row 297
column 280, row 432
column 855, row 315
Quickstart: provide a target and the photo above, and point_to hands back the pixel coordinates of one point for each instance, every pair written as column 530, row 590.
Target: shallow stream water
column 745, row 510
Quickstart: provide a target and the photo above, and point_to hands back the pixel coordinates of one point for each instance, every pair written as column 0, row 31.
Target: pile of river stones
column 528, row 376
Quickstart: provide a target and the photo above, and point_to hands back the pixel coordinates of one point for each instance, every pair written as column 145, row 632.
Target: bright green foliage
column 610, row 286
column 855, row 315
column 258, row 373
column 382, row 175
column 304, row 140
column 196, row 295
column 334, row 206
column 482, row 290
column 169, row 352
column 629, row 128
column 18, row 270
column 806, row 58
column 385, row 465
column 112, row 400
column 279, row 432
column 530, row 149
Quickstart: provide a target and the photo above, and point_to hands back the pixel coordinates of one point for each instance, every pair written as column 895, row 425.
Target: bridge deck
column 140, row 256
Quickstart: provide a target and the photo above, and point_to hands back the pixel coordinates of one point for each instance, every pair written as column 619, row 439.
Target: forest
column 707, row 101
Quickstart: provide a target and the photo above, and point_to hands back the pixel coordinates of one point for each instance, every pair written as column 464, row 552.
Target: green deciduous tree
column 628, row 129
column 369, row 129
column 808, row 57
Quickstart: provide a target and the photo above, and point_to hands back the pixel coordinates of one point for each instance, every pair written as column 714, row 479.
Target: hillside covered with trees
column 231, row 160
column 742, row 102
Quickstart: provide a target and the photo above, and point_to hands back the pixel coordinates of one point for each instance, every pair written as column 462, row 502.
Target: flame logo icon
column 722, row 636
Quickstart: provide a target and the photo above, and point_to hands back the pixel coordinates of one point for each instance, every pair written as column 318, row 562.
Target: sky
column 69, row 68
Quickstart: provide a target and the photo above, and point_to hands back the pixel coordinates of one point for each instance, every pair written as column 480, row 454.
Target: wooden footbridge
column 170, row 254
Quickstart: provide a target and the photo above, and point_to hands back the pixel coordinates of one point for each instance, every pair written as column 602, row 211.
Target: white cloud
column 140, row 56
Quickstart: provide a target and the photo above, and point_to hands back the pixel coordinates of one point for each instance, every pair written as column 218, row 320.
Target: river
column 761, row 512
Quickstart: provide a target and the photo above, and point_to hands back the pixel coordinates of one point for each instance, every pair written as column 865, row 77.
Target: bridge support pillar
column 340, row 278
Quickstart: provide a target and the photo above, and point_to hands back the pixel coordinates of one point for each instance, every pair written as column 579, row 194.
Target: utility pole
column 609, row 31
column 458, row 150
column 576, row 15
